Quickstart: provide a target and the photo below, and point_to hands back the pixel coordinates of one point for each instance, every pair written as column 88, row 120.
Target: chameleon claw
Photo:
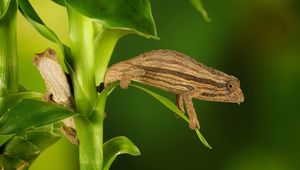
column 194, row 123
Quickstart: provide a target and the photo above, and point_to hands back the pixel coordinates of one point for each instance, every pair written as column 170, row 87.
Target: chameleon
column 180, row 74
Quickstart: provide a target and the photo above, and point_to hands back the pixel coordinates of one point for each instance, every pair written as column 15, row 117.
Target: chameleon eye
column 229, row 86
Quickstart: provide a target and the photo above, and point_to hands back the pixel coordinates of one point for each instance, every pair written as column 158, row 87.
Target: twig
column 58, row 88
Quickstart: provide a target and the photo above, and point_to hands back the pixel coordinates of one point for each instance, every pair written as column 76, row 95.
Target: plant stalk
column 90, row 143
column 8, row 48
column 82, row 56
column 89, row 131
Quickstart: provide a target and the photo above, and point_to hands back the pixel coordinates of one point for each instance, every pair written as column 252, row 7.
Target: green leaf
column 200, row 8
column 132, row 15
column 116, row 146
column 174, row 108
column 104, row 45
column 21, row 148
column 4, row 7
column 4, row 139
column 83, row 100
column 101, row 100
column 30, row 14
column 29, row 114
column 10, row 163
column 10, row 100
column 60, row 2
column 43, row 137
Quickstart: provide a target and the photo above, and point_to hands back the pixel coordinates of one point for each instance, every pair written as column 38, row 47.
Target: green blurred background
column 257, row 41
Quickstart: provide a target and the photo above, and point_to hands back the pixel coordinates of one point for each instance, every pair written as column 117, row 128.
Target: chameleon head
column 226, row 90
column 234, row 91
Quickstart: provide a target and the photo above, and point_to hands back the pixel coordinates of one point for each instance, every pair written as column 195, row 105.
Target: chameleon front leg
column 125, row 81
column 194, row 123
column 129, row 75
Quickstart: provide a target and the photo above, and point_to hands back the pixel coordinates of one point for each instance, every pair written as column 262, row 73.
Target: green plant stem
column 91, row 144
column 90, row 134
column 8, row 49
column 82, row 50
column 104, row 45
column 89, row 130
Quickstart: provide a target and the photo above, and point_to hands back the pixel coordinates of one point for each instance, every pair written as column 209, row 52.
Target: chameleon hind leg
column 130, row 74
column 194, row 123
column 179, row 102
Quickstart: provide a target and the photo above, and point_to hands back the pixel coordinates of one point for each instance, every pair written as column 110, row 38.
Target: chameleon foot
column 194, row 123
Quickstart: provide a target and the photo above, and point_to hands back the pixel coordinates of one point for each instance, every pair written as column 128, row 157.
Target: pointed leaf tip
column 169, row 104
column 4, row 8
column 200, row 8
column 116, row 146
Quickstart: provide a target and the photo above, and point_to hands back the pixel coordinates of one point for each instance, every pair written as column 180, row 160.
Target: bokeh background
column 258, row 41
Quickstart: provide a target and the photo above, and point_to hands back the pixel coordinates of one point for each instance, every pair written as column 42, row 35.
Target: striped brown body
column 177, row 73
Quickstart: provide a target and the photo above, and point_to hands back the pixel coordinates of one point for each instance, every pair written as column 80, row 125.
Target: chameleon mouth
column 238, row 97
column 241, row 97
